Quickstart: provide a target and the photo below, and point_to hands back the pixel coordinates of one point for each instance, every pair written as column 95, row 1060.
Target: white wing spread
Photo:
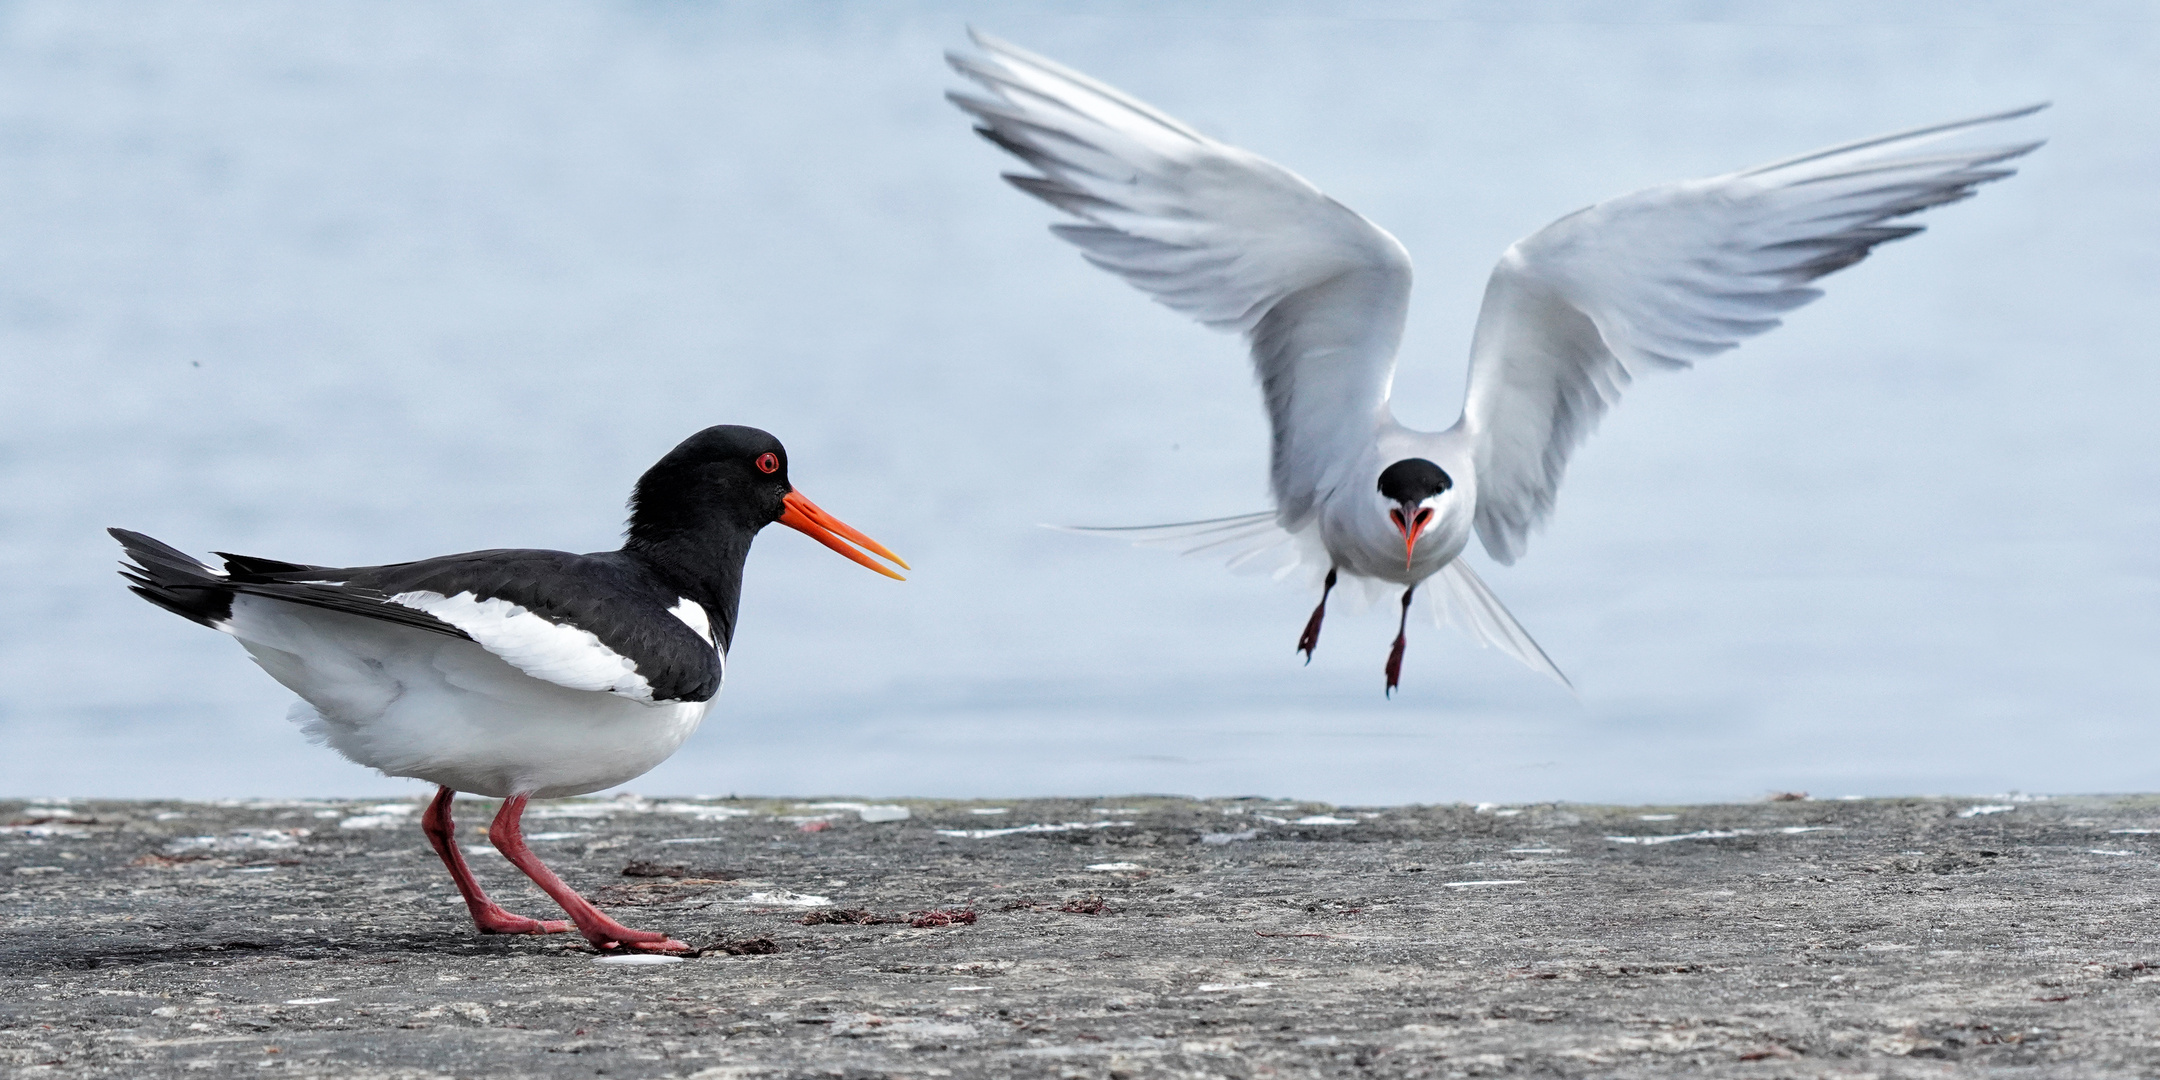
column 1670, row 275
column 1659, row 278
column 1224, row 236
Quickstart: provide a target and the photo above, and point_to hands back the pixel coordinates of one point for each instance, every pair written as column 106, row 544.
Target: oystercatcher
column 516, row 673
column 1655, row 279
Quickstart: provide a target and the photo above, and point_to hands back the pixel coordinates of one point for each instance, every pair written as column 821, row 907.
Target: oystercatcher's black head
column 1408, row 484
column 728, row 477
column 723, row 484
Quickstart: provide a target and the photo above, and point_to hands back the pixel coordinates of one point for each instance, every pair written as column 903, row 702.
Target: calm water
column 354, row 283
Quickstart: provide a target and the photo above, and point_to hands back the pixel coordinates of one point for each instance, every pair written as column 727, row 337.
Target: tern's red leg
column 1310, row 639
column 1402, row 630
column 488, row 915
column 597, row 928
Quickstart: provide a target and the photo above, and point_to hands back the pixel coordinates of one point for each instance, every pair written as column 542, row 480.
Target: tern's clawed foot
column 1310, row 639
column 1402, row 631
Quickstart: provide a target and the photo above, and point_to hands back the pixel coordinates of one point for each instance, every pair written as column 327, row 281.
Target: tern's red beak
column 1411, row 528
column 804, row 516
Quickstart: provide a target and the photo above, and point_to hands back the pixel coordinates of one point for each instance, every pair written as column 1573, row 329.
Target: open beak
column 1410, row 521
column 804, row 516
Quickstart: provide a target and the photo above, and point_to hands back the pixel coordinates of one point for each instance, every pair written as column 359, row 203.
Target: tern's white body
column 1352, row 526
column 448, row 711
column 1655, row 279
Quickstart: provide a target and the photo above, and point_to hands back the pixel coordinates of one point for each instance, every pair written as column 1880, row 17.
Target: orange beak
column 804, row 516
column 1410, row 528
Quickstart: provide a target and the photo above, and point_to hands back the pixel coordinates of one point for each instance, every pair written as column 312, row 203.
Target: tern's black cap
column 1413, row 480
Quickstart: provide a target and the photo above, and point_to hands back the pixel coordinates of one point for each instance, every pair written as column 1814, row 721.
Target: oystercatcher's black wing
column 587, row 622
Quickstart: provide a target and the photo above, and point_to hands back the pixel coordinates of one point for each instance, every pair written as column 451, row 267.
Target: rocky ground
column 1134, row 937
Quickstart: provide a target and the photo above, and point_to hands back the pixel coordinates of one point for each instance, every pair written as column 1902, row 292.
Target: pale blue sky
column 352, row 283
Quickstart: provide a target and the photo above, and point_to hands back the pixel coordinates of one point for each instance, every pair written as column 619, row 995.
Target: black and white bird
column 1655, row 279
column 516, row 673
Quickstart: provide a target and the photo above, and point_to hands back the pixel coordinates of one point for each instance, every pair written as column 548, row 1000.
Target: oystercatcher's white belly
column 445, row 710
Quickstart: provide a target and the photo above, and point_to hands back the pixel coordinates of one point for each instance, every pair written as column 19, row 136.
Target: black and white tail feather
column 583, row 633
column 1255, row 544
column 194, row 590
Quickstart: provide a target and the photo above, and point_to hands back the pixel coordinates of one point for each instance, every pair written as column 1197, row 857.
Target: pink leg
column 602, row 931
column 486, row 914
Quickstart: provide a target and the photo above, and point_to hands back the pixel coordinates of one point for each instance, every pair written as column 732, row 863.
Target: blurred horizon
column 354, row 283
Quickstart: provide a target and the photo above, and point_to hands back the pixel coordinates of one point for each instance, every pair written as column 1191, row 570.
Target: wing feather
column 1670, row 275
column 578, row 621
column 1225, row 236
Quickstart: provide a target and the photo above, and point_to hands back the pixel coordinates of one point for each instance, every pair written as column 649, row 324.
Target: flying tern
column 1659, row 278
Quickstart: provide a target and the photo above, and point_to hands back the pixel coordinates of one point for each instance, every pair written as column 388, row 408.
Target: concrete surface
column 1153, row 937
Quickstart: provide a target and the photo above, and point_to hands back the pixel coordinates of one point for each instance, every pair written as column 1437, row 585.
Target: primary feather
column 1225, row 236
column 1670, row 275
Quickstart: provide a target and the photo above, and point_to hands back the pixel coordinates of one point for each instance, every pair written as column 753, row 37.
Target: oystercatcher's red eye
column 768, row 462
